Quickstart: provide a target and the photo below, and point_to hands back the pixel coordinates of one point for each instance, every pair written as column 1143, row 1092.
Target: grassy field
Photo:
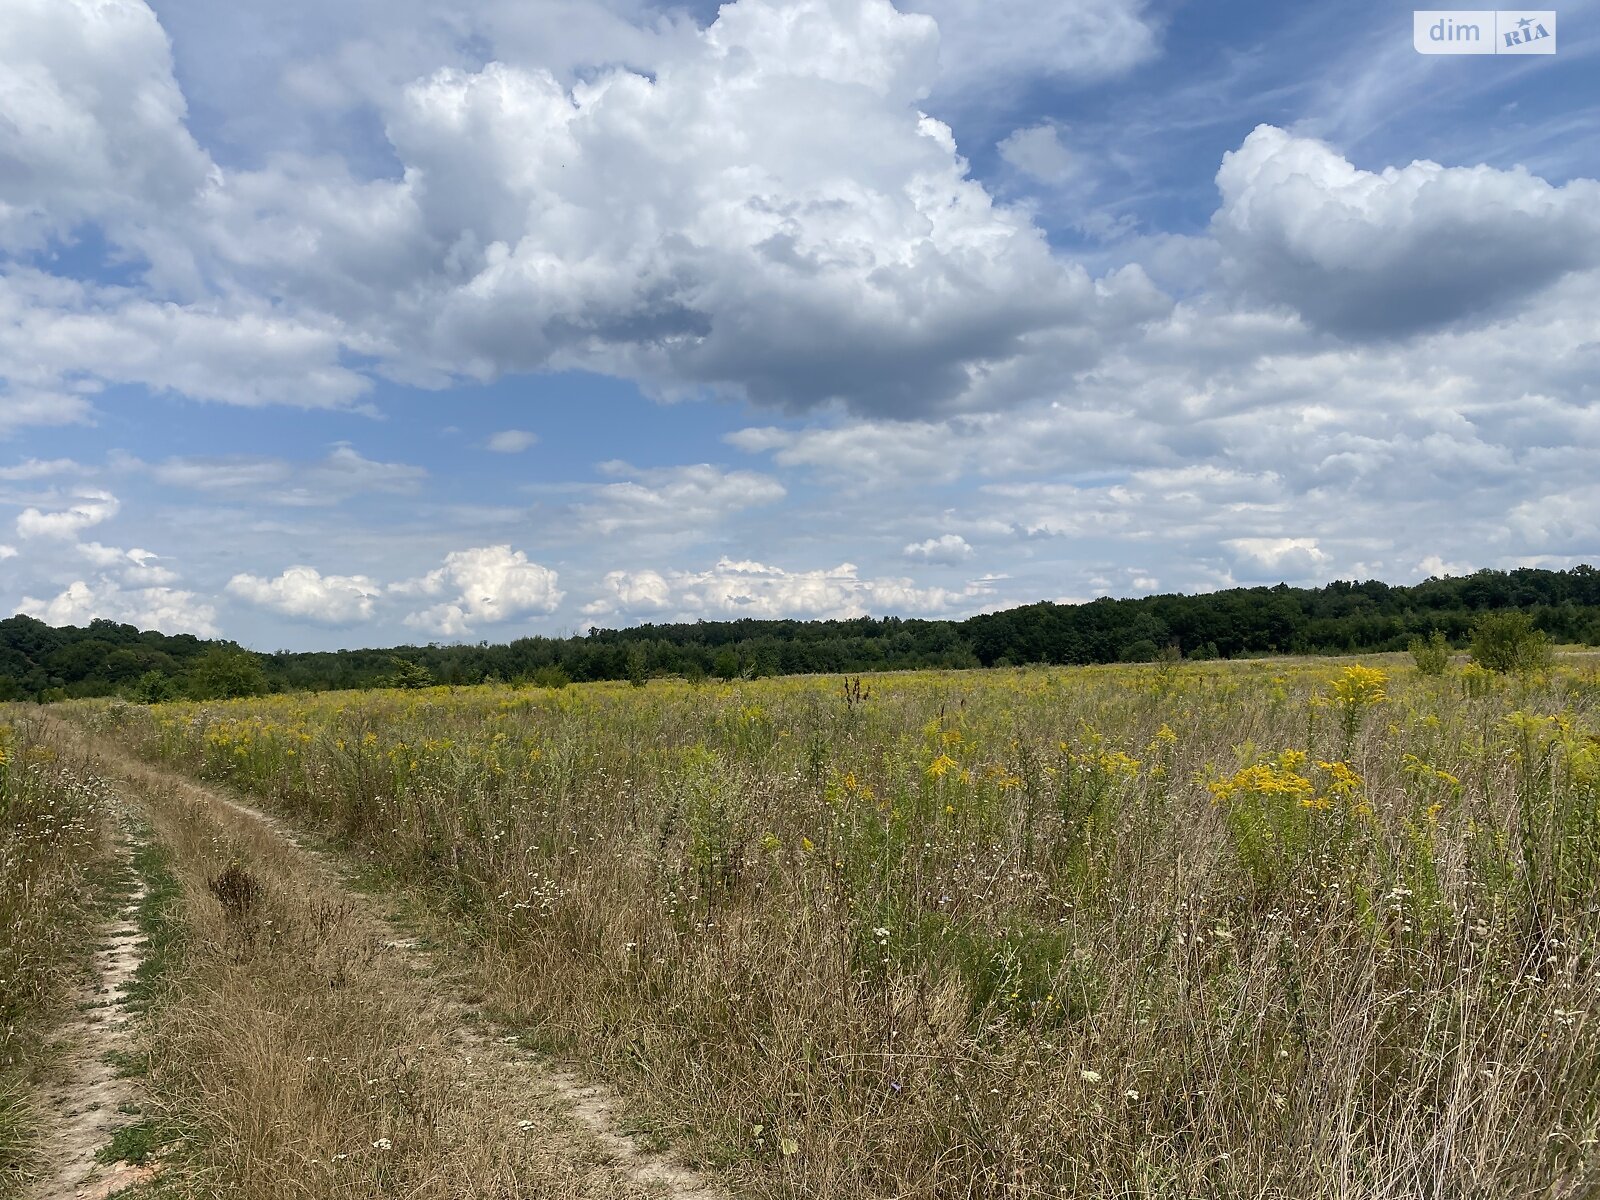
column 1306, row 929
column 53, row 832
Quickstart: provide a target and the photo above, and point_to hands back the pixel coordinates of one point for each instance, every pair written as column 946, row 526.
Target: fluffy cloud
column 1385, row 254
column 485, row 586
column 94, row 122
column 138, row 567
column 511, row 441
column 946, row 548
column 167, row 609
column 1038, row 153
column 91, row 507
column 781, row 261
column 632, row 591
column 753, row 589
column 1293, row 558
column 241, row 351
column 304, row 592
column 7, row 552
column 796, row 231
column 1565, row 522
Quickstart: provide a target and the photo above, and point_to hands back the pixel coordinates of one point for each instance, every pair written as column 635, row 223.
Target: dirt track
column 576, row 1146
column 88, row 1099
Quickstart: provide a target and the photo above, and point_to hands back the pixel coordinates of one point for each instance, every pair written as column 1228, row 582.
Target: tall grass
column 288, row 1053
column 52, row 832
column 1235, row 930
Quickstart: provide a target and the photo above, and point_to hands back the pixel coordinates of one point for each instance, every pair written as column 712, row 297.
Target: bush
column 552, row 676
column 1142, row 651
column 1432, row 655
column 1507, row 642
column 152, row 687
column 222, row 673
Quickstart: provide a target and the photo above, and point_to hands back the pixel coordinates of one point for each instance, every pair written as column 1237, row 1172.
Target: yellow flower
column 1360, row 687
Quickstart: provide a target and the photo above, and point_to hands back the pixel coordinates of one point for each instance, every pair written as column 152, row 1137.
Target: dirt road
column 308, row 1046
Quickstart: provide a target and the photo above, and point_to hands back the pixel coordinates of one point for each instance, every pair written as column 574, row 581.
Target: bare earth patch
column 87, row 1103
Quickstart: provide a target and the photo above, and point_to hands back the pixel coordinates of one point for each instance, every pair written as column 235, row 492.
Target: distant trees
column 105, row 658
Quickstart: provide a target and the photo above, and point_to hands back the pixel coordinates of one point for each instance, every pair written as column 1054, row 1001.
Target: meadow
column 1275, row 928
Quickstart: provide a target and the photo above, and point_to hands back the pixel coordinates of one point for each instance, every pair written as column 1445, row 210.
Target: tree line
column 41, row 662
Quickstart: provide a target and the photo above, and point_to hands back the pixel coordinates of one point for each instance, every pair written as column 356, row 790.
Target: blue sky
column 349, row 323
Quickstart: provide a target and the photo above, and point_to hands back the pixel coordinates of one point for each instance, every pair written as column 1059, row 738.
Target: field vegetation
column 53, row 835
column 1280, row 928
column 285, row 1052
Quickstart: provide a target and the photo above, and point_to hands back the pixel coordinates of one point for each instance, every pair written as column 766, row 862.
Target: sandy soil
column 85, row 1103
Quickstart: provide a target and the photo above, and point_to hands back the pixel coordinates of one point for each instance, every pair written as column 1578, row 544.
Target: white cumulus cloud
column 94, row 119
column 1387, row 253
column 946, row 548
column 89, row 508
column 1295, row 557
column 487, row 585
column 747, row 588
column 306, row 593
column 167, row 609
column 795, row 228
column 137, row 567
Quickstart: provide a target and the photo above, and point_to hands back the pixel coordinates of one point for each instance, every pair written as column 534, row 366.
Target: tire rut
column 88, row 1100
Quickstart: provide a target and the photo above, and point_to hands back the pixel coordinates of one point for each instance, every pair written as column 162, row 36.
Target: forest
column 44, row 663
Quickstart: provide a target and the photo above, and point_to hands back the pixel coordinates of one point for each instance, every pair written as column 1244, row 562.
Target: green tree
column 225, row 672
column 407, row 674
column 1506, row 641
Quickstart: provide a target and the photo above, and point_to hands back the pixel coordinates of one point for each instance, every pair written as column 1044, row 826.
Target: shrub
column 552, row 676
column 1507, row 642
column 226, row 674
column 1432, row 655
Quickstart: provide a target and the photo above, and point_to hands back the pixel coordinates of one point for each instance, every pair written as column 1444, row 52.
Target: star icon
column 1524, row 23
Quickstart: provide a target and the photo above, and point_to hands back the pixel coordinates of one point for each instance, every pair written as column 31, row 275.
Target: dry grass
column 53, row 836
column 294, row 1052
column 1251, row 930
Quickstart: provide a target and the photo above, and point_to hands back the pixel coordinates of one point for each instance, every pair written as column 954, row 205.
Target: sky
column 359, row 322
